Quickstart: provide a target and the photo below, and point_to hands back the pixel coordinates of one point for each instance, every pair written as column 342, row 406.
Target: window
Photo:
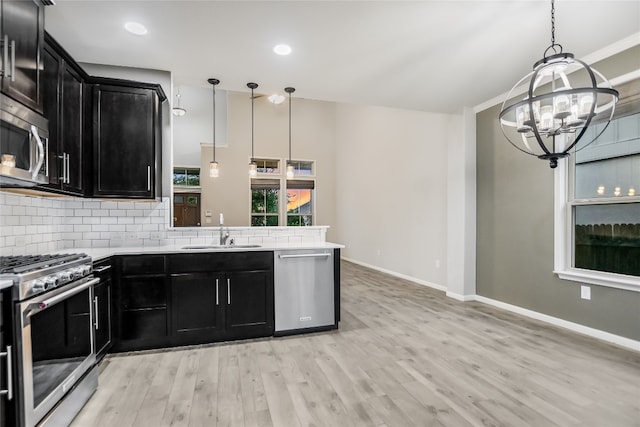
column 302, row 168
column 265, row 202
column 270, row 166
column 300, row 202
column 186, row 177
column 598, row 216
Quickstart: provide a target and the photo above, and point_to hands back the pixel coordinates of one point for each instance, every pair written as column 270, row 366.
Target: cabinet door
column 102, row 301
column 249, row 309
column 124, row 142
column 143, row 309
column 23, row 24
column 196, row 300
column 51, row 110
column 71, row 133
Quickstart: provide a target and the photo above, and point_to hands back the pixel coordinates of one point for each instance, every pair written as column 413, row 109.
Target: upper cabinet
column 21, row 42
column 63, row 87
column 126, row 140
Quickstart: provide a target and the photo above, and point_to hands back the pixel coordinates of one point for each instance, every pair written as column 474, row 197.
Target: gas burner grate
column 24, row 263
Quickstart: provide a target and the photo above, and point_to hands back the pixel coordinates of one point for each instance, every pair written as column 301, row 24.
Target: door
column 196, row 300
column 186, row 210
column 249, row 303
column 23, row 26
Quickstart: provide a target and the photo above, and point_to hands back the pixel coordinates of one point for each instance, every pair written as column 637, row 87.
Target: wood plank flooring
column 405, row 355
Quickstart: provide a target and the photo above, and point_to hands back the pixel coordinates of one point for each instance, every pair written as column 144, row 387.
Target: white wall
column 391, row 194
column 196, row 127
column 313, row 138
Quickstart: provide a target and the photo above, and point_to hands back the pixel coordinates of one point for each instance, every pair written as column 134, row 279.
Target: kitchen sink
column 200, row 247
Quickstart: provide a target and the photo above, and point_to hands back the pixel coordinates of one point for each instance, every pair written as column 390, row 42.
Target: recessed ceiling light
column 282, row 49
column 276, row 98
column 135, row 28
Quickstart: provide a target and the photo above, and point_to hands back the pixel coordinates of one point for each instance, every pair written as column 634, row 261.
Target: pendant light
column 253, row 167
column 214, row 167
column 290, row 168
column 178, row 110
column 555, row 113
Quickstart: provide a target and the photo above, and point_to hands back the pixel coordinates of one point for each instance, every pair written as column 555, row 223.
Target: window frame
column 564, row 203
column 186, row 170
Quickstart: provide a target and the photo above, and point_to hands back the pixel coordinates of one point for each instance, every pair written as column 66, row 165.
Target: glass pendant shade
column 214, row 169
column 178, row 111
column 564, row 97
column 253, row 169
column 290, row 172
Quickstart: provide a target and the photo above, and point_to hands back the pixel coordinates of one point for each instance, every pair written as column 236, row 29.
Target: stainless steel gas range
column 53, row 330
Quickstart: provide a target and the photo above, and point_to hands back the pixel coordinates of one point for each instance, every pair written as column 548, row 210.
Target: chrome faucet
column 223, row 235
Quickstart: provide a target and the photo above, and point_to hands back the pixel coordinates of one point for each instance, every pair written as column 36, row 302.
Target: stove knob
column 86, row 270
column 50, row 282
column 64, row 277
column 38, row 286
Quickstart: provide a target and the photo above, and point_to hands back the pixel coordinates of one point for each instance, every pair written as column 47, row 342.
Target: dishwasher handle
column 320, row 255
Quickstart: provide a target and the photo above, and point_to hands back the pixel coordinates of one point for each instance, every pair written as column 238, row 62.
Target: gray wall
column 515, row 231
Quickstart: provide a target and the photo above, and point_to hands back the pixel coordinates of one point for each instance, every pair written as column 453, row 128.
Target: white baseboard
column 459, row 297
column 399, row 275
column 576, row 327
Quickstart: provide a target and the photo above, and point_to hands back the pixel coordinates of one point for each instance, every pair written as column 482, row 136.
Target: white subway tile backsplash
column 31, row 224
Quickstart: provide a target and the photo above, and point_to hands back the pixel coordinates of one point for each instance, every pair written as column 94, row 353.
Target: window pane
column 258, row 221
column 304, row 168
column 193, row 178
column 610, row 166
column 180, row 178
column 306, row 220
column 272, row 221
column 607, row 238
column 272, row 201
column 178, row 199
column 258, row 204
column 293, row 220
column 267, row 165
column 192, row 200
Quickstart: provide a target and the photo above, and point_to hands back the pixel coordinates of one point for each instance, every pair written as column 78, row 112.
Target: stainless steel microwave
column 24, row 137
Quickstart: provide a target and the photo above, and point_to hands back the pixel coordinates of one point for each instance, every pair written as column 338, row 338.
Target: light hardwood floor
column 405, row 355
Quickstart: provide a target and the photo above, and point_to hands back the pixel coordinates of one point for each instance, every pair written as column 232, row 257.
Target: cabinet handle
column 217, row 299
column 41, row 151
column 68, row 167
column 13, row 60
column 9, row 391
column 101, row 269
column 5, row 55
column 323, row 255
column 229, row 291
column 148, row 178
column 95, row 308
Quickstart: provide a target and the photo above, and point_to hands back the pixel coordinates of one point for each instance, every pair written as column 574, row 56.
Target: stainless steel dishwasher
column 304, row 290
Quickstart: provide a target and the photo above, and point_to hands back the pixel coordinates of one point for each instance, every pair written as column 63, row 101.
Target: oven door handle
column 42, row 305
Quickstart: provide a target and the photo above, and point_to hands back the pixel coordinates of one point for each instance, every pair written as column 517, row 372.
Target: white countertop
column 100, row 253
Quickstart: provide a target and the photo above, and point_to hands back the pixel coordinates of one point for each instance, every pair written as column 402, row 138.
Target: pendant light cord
column 214, row 123
column 289, row 127
column 252, row 101
column 553, row 45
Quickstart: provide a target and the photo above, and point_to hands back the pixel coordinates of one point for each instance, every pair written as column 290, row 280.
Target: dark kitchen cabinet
column 184, row 299
column 141, row 299
column 196, row 310
column 64, row 107
column 22, row 39
column 126, row 141
column 249, row 309
column 102, row 307
column 238, row 288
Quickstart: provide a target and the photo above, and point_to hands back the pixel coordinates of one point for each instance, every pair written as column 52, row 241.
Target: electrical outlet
column 585, row 292
column 154, row 235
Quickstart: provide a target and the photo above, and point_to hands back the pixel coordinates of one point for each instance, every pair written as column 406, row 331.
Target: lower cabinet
column 183, row 299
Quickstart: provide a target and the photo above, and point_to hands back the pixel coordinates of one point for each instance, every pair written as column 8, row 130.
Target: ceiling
column 436, row 56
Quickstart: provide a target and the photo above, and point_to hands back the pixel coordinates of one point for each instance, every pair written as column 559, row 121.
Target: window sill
column 611, row 280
